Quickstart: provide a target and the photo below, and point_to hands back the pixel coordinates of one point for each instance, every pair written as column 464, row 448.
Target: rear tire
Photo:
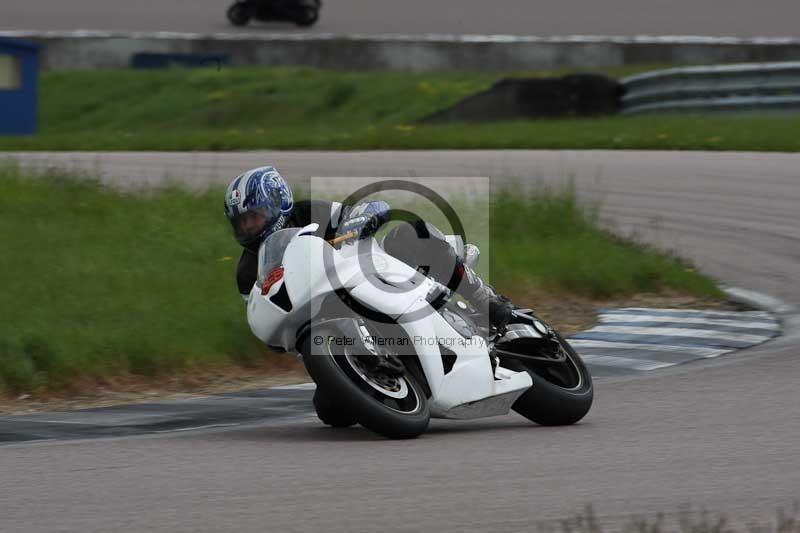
column 551, row 404
column 331, row 368
column 239, row 14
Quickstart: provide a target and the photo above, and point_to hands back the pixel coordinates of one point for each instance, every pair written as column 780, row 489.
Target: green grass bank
column 299, row 108
column 98, row 284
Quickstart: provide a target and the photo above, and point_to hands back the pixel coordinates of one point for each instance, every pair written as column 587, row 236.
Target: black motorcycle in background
column 301, row 12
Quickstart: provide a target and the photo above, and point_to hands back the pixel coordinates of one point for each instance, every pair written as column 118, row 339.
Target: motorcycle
column 390, row 348
column 302, row 12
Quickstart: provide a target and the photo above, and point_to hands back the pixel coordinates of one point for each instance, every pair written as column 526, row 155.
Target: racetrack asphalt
column 740, row 18
column 721, row 434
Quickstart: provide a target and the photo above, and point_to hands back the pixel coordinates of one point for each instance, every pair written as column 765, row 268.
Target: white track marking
column 193, row 428
column 700, row 351
column 623, row 362
column 740, row 323
column 422, row 37
column 759, row 300
column 667, row 311
column 299, row 386
column 680, row 332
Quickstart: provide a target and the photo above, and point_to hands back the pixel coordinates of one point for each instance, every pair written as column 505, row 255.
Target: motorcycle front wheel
column 562, row 392
column 393, row 406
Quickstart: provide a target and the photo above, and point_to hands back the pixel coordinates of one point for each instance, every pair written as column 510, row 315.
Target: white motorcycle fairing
column 468, row 390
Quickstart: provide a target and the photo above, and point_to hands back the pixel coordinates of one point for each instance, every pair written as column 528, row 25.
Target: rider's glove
column 364, row 219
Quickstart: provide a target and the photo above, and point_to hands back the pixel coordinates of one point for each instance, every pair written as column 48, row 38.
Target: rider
column 259, row 202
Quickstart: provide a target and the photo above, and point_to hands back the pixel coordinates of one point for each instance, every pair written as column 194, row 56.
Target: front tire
column 400, row 412
column 555, row 400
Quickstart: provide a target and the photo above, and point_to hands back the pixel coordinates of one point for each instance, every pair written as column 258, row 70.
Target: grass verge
column 298, row 108
column 98, row 284
column 550, row 241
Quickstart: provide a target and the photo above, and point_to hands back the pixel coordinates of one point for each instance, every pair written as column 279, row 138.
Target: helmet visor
column 252, row 225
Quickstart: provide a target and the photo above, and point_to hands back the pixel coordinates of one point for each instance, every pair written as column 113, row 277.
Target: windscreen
column 270, row 255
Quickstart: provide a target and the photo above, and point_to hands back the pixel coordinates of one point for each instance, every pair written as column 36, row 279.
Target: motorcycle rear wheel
column 395, row 409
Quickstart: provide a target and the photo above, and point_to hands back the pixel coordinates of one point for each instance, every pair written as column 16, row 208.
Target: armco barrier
column 761, row 86
column 93, row 49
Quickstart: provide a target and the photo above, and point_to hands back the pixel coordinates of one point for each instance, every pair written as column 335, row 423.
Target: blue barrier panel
column 19, row 77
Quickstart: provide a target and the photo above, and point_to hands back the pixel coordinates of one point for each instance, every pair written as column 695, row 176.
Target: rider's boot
column 483, row 296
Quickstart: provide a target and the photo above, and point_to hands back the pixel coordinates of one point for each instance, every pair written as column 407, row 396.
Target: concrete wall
column 91, row 50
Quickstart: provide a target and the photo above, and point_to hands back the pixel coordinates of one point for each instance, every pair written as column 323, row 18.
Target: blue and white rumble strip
column 641, row 339
column 625, row 341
